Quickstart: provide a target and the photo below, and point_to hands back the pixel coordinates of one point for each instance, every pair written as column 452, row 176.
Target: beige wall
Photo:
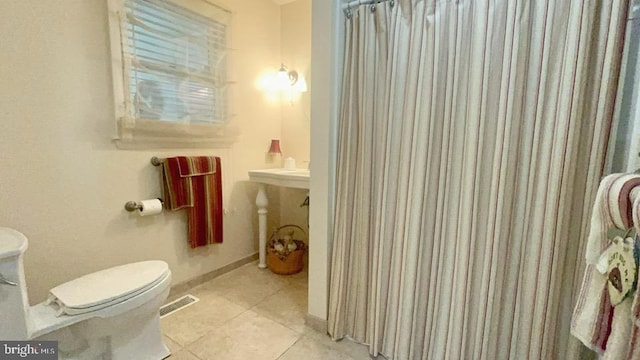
column 295, row 42
column 327, row 38
column 62, row 181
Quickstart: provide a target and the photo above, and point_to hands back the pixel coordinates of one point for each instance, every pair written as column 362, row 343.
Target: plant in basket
column 285, row 255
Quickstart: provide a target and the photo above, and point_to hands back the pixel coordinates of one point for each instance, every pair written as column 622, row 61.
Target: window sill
column 155, row 134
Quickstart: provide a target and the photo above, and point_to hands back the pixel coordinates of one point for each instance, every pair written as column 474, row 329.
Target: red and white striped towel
column 195, row 183
column 595, row 322
column 634, row 342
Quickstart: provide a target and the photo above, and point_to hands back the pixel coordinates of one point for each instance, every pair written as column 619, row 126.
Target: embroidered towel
column 634, row 341
column 195, row 183
column 623, row 340
column 593, row 316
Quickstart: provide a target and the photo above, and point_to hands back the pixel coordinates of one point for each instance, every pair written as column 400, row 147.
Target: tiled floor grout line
column 172, row 339
column 300, row 335
column 260, row 301
column 279, row 321
column 287, row 349
column 208, row 332
column 192, row 354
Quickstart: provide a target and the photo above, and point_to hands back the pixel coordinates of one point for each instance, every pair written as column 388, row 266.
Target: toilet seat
column 107, row 287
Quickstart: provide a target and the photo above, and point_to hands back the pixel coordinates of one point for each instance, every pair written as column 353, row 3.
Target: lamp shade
column 275, row 147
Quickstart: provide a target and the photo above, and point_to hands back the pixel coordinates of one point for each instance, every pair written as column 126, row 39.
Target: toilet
column 109, row 314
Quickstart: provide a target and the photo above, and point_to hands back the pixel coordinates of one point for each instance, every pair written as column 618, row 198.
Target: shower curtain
column 471, row 142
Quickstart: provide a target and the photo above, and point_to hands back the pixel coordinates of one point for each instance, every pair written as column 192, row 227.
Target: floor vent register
column 177, row 305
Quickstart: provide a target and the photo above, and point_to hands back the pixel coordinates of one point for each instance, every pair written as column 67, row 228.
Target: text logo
column 41, row 350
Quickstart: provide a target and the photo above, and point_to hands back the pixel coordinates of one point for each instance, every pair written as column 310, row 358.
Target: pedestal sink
column 298, row 178
column 292, row 178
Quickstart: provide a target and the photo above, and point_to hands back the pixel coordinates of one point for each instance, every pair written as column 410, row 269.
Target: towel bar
column 156, row 161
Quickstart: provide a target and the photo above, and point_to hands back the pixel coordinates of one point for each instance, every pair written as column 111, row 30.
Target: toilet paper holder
column 131, row 206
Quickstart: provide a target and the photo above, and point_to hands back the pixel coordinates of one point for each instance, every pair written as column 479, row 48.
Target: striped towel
column 593, row 320
column 622, row 343
column 634, row 342
column 195, row 183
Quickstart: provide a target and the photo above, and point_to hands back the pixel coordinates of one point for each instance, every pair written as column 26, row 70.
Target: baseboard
column 183, row 287
column 316, row 323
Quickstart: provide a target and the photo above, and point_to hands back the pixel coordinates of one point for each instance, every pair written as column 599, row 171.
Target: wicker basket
column 285, row 262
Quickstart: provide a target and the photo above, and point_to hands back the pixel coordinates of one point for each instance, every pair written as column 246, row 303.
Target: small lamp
column 275, row 154
column 275, row 147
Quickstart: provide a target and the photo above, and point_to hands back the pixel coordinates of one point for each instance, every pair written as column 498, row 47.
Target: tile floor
column 254, row 314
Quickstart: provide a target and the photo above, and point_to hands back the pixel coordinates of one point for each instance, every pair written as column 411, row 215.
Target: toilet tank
column 14, row 302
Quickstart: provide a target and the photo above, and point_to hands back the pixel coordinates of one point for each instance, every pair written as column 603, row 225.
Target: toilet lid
column 109, row 285
column 12, row 243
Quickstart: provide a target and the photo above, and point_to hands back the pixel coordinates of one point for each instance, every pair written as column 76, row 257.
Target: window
column 170, row 72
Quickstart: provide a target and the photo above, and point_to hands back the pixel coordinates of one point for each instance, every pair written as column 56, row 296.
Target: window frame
column 134, row 133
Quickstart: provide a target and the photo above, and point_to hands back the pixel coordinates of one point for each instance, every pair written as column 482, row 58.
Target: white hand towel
column 593, row 317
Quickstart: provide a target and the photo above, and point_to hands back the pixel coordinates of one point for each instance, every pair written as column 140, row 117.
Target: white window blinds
column 174, row 62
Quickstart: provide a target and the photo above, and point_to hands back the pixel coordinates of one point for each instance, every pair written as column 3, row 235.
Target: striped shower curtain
column 471, row 142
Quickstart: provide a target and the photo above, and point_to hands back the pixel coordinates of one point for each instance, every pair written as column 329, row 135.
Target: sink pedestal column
column 296, row 179
column 262, row 202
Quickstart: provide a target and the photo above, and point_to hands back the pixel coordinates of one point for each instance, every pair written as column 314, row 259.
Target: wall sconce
column 289, row 80
column 282, row 84
column 286, row 78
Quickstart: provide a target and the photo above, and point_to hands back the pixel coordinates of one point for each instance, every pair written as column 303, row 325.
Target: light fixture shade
column 282, row 79
column 300, row 85
column 275, row 147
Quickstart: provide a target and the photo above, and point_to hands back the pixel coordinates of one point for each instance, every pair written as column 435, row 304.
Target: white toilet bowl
column 110, row 314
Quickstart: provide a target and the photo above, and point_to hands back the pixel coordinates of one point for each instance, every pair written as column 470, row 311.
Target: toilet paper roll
column 150, row 207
